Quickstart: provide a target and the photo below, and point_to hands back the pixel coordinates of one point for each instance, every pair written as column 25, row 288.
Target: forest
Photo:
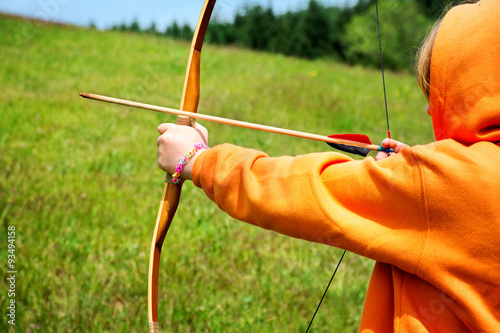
column 347, row 34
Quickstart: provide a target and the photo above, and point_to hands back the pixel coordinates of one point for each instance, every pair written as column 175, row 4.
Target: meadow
column 80, row 184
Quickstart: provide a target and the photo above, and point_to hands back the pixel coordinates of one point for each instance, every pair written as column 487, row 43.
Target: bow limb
column 172, row 192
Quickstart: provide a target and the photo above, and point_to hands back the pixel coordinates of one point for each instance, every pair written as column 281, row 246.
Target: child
column 429, row 215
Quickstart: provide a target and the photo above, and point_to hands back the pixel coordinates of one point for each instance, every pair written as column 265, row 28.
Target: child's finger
column 162, row 128
column 381, row 155
column 393, row 144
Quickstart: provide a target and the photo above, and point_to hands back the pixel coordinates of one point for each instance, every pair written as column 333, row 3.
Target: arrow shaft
column 232, row 122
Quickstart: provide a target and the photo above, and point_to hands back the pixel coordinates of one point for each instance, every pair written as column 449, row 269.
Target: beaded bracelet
column 184, row 160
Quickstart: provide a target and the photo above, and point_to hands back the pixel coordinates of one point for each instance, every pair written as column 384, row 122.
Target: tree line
column 342, row 33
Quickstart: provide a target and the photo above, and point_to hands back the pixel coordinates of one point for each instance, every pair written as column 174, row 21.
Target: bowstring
column 382, row 69
column 326, row 290
column 388, row 135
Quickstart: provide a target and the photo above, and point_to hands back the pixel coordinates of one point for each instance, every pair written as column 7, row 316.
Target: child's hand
column 174, row 142
column 389, row 143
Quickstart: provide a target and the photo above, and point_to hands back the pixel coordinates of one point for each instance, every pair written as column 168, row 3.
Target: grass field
column 79, row 182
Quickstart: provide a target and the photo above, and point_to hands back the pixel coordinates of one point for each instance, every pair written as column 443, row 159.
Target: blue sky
column 105, row 13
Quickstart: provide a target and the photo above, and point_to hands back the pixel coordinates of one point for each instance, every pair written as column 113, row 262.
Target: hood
column 465, row 74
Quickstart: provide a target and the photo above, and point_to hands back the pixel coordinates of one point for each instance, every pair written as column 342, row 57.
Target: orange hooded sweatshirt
column 429, row 216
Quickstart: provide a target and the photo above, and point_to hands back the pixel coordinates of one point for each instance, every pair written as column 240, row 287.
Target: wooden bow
column 171, row 191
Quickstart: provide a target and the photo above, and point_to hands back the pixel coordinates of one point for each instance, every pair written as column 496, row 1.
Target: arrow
column 337, row 141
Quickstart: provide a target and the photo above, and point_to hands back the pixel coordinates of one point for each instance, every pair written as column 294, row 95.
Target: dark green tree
column 403, row 26
column 221, row 33
column 152, row 29
column 256, row 27
column 173, row 31
column 134, row 26
column 434, row 8
column 314, row 32
column 186, row 32
column 286, row 33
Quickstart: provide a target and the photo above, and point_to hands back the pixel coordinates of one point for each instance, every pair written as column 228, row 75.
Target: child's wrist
column 184, row 166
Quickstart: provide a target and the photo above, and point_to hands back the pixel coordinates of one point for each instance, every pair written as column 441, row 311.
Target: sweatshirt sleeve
column 375, row 209
column 430, row 210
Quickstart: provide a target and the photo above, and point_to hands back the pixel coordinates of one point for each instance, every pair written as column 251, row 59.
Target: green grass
column 79, row 181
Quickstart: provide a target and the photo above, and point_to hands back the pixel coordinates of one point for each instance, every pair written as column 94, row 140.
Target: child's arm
column 180, row 139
